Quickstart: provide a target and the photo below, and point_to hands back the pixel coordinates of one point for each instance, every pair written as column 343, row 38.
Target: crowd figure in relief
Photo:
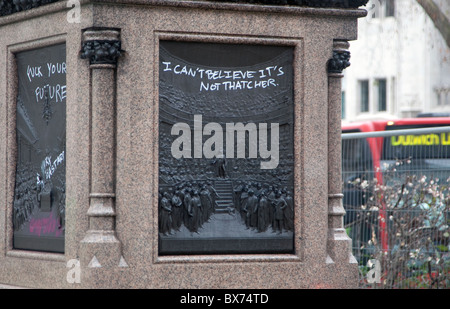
column 259, row 206
column 189, row 204
column 264, row 206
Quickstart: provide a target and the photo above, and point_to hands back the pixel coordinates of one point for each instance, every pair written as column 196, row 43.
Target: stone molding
column 347, row 4
column 8, row 7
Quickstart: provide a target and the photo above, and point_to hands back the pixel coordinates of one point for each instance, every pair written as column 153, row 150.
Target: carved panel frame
column 298, row 46
column 11, row 144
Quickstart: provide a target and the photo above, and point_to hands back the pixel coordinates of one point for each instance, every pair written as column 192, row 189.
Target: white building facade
column 400, row 64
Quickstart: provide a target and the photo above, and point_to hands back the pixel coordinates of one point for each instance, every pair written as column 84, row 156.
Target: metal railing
column 397, row 207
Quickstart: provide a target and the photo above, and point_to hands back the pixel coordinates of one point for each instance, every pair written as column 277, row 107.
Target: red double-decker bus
column 365, row 158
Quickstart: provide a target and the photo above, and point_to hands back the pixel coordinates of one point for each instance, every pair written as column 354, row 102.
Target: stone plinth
column 111, row 194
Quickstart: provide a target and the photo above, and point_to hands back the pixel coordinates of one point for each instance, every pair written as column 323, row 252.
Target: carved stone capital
column 339, row 62
column 101, row 46
column 341, row 57
column 101, row 52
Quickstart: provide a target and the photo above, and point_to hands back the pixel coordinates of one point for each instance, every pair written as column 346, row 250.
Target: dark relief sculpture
column 260, row 207
column 339, row 62
column 101, row 51
column 8, row 7
column 225, row 203
column 39, row 193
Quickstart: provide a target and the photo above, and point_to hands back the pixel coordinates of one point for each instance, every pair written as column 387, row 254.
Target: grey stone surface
column 125, row 244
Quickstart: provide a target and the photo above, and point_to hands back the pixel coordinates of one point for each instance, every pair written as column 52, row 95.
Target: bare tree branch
column 439, row 19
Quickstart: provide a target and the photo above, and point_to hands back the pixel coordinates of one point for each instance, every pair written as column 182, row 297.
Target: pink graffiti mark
column 45, row 226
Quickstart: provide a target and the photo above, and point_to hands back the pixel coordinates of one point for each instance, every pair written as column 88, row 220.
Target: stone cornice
column 8, row 7
column 348, row 4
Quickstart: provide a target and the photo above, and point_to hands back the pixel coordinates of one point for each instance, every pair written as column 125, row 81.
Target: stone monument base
column 115, row 166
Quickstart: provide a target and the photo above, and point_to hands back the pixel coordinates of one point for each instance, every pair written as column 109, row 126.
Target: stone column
column 100, row 246
column 339, row 244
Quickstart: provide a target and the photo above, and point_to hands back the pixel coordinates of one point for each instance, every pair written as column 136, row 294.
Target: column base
column 100, row 249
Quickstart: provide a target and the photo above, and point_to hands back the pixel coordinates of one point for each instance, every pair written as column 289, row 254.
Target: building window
column 390, row 8
column 382, row 106
column 382, row 8
column 443, row 95
column 364, row 95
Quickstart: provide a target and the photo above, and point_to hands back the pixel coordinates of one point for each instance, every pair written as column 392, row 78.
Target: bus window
column 427, row 154
column 356, row 159
column 357, row 166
